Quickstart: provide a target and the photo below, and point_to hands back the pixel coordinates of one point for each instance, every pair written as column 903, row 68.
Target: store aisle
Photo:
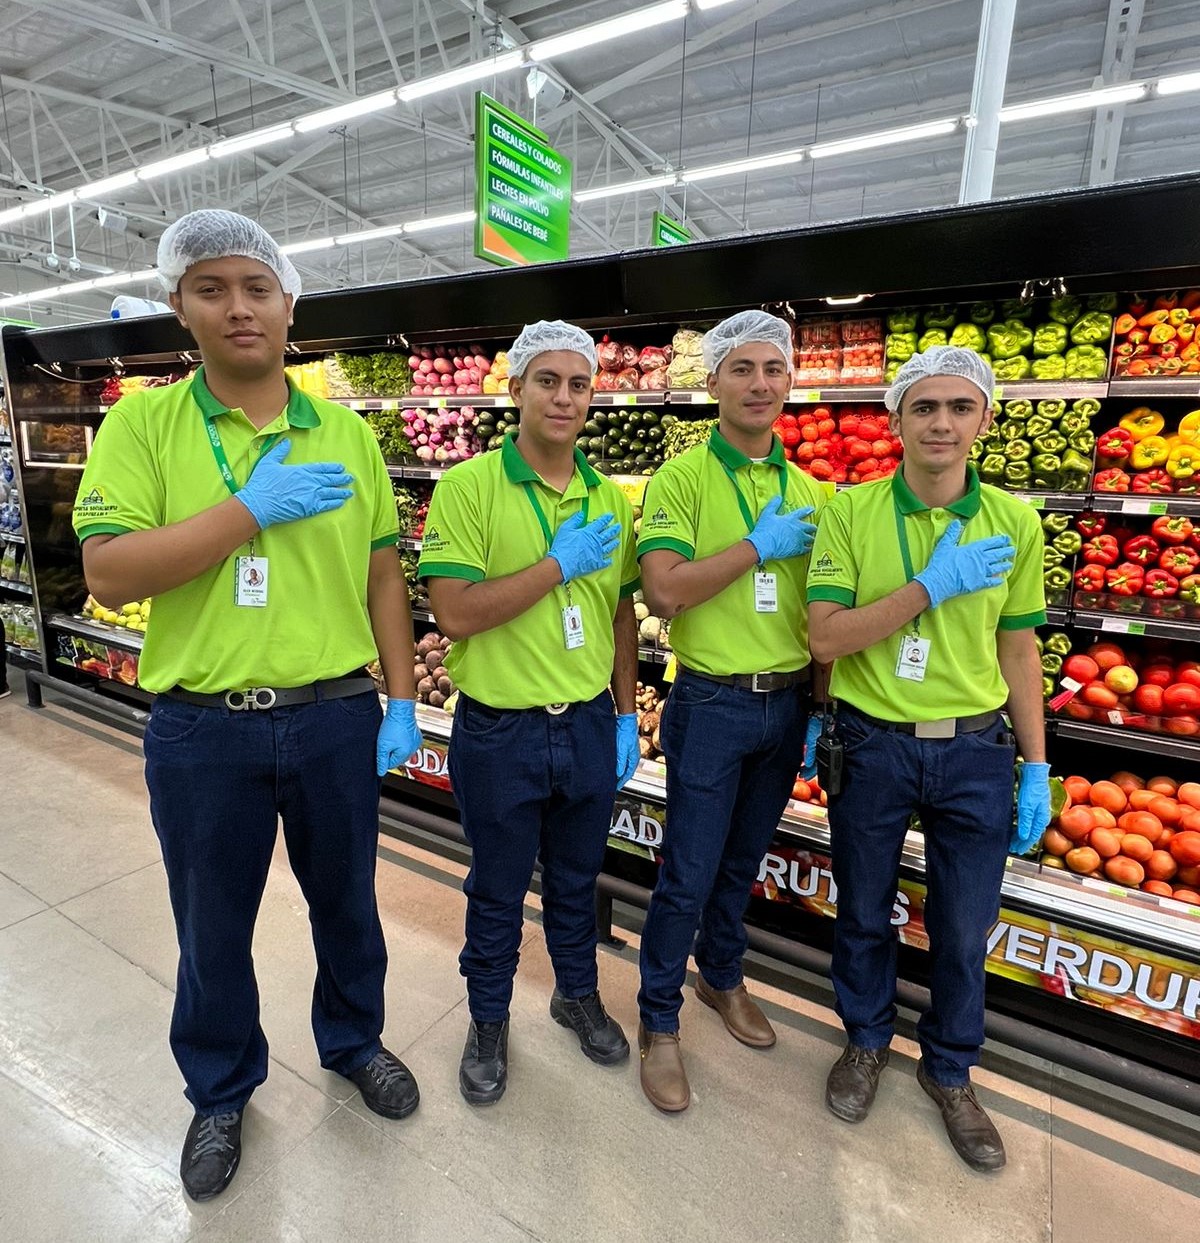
column 94, row 1113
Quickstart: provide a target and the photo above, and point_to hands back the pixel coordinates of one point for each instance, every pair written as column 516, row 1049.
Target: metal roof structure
column 93, row 88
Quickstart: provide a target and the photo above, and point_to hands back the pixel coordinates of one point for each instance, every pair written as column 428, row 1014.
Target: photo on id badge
column 913, row 658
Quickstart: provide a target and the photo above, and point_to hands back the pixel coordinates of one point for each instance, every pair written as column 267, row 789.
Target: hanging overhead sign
column 522, row 190
column 668, row 232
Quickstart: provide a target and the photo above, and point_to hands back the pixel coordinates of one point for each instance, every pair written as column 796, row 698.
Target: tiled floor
column 93, row 1114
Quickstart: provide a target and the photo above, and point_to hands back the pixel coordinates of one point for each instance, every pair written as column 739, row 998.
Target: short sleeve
column 1026, row 602
column 121, row 489
column 832, row 569
column 453, row 543
column 669, row 514
column 385, row 526
column 631, row 578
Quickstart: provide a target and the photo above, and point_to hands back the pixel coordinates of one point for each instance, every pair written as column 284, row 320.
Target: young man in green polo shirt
column 263, row 524
column 723, row 548
column 924, row 590
column 531, row 567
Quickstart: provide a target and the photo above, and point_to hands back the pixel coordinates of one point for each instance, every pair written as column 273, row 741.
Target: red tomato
column 1157, row 675
column 1185, row 849
column 1106, row 655
column 1184, row 726
column 1099, row 696
column 1148, row 698
column 1181, row 697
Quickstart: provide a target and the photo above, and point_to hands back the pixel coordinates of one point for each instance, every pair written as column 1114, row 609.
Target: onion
column 442, row 366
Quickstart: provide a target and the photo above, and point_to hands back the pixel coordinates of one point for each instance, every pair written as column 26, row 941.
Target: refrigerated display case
column 1116, row 967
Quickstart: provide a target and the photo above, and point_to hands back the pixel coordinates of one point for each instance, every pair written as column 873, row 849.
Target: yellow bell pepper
column 1149, row 452
column 1190, row 423
column 1183, row 461
column 1143, row 422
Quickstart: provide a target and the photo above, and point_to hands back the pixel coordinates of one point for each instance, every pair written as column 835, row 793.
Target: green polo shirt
column 153, row 464
column 482, row 524
column 857, row 559
column 692, row 508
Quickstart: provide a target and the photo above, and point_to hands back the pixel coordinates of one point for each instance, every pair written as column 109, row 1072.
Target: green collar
column 735, row 459
column 965, row 507
column 518, row 470
column 300, row 411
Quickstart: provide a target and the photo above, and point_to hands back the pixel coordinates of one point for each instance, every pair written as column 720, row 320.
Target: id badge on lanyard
column 912, row 660
column 766, row 584
column 572, row 614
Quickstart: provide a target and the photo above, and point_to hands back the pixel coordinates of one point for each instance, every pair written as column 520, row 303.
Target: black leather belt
column 755, row 681
column 264, row 698
column 949, row 727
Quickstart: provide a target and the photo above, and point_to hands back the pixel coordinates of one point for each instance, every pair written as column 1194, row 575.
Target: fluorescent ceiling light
column 463, row 76
column 255, row 138
column 705, row 5
column 173, row 163
column 346, row 112
column 624, row 187
column 884, row 138
column 35, row 207
column 65, row 291
column 369, row 235
column 1077, row 101
column 849, row 300
column 1178, row 83
column 439, row 222
column 734, row 168
column 106, row 185
column 611, row 28
column 302, row 248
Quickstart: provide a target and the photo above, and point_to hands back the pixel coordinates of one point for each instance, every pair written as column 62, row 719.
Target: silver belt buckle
column 754, row 686
column 255, row 699
column 557, row 709
column 936, row 729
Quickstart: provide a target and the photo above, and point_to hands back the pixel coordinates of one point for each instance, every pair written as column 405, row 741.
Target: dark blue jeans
column 219, row 781
column 962, row 789
column 732, row 759
column 530, row 785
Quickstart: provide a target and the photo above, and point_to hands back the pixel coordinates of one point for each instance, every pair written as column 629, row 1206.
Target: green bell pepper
column 1051, row 557
column 902, row 320
column 1083, row 442
column 1068, row 542
column 1018, row 409
column 1014, row 308
column 1008, row 339
column 1089, row 407
column 1070, row 423
column 1056, row 579
column 969, row 337
column 1049, row 339
column 1065, row 310
column 1047, row 687
column 1047, row 465
column 1018, row 450
column 976, row 451
column 1012, row 429
column 1052, row 408
column 1106, row 302
column 891, row 371
column 1038, row 425
column 1093, row 328
column 1051, row 442
column 1017, row 475
column 901, row 346
column 981, row 312
column 941, row 316
column 1056, row 524
column 1053, row 367
column 1086, row 362
column 1052, row 664
column 1077, row 471
column 1038, row 645
column 992, row 465
column 1013, row 368
column 1058, row 643
column 931, row 337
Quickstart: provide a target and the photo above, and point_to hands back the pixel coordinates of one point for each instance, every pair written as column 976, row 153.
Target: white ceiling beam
column 1116, row 65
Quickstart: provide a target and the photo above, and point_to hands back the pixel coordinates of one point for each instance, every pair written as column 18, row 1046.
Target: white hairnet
column 547, row 335
column 742, row 329
column 941, row 360
column 215, row 234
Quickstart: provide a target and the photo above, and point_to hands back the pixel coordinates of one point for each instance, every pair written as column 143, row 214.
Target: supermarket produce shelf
column 1064, row 502
column 1157, row 627
column 12, row 537
column 8, row 585
column 1160, row 386
column 26, row 655
column 417, row 472
column 423, row 615
column 1119, row 503
column 116, row 635
column 411, row 545
column 1174, row 745
column 1057, row 617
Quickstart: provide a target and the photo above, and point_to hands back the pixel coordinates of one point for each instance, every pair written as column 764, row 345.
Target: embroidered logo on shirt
column 94, row 504
column 657, row 520
column 432, row 541
column 823, row 567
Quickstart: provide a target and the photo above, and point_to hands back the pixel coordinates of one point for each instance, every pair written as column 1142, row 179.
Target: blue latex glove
column 278, row 493
column 581, row 550
column 399, row 736
column 777, row 536
column 627, row 747
column 1033, row 807
column 958, row 570
column 811, row 734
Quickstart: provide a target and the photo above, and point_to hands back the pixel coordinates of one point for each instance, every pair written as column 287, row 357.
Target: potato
column 445, row 686
column 436, row 699
column 425, row 687
column 649, row 722
column 644, row 748
column 420, row 671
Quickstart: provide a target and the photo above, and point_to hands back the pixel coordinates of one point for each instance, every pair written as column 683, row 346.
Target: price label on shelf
column 390, row 403
column 1142, row 505
column 807, row 395
column 437, row 403
column 634, row 487
column 700, row 398
column 1121, row 625
column 624, row 399
column 503, row 399
column 1116, row 717
column 1034, row 502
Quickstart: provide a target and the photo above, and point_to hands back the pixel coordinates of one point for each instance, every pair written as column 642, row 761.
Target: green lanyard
column 541, row 517
column 902, row 536
column 747, row 517
column 214, row 438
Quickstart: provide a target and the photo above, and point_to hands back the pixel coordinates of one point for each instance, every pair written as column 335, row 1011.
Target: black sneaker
column 600, row 1037
column 387, row 1086
column 211, row 1154
column 483, row 1071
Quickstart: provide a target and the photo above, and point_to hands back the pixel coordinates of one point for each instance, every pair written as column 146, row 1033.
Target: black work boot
column 600, row 1037
column 387, row 1086
column 483, row 1071
column 850, row 1088
column 211, row 1154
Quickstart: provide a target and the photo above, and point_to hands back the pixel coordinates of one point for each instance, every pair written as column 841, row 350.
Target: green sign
column 522, row 190
column 668, row 232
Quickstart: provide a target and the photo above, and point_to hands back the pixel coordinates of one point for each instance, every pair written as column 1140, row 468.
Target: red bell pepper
column 1152, row 482
column 1143, row 550
column 1090, row 578
column 1171, row 530
column 1179, row 559
column 1114, row 446
column 1125, row 324
column 1125, row 579
column 1160, row 583
column 1089, row 524
column 1112, row 480
column 1101, row 550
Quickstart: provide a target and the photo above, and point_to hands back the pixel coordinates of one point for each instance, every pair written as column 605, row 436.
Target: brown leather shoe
column 740, row 1013
column 971, row 1131
column 850, row 1088
column 664, row 1080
